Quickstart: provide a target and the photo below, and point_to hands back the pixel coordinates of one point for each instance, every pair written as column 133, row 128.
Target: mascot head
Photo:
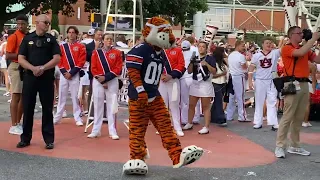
column 158, row 32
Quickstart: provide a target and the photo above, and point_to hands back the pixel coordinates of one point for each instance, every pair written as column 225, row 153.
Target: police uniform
column 38, row 51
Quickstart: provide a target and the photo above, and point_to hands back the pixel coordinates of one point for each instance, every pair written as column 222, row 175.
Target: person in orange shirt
column 169, row 88
column 295, row 103
column 72, row 60
column 106, row 66
column 12, row 49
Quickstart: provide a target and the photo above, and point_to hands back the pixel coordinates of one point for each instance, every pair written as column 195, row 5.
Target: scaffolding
column 304, row 8
column 118, row 14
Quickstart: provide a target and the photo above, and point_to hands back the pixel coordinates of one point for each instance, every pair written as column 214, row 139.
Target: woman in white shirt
column 201, row 88
column 219, row 82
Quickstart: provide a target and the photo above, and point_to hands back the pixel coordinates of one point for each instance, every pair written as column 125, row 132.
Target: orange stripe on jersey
column 134, row 59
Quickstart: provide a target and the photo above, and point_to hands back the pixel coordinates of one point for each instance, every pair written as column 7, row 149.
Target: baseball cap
column 91, row 32
column 185, row 45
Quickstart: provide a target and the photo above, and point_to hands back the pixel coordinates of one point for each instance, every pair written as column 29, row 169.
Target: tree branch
column 27, row 9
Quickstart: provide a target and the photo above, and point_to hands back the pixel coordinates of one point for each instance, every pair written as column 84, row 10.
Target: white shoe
column 79, row 123
column 279, row 152
column 64, row 115
column 114, row 137
column 188, row 126
column 299, row 151
column 204, row 130
column 15, row 130
column 9, row 101
column 189, row 155
column 304, row 124
column 180, row 133
column 257, row 126
column 6, row 94
column 94, row 135
column 135, row 166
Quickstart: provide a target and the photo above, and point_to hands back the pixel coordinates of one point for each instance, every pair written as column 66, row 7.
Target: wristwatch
column 41, row 67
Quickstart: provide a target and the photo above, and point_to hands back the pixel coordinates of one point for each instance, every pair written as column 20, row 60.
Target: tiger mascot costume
column 144, row 63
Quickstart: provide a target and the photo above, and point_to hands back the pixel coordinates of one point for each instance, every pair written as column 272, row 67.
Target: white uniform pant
column 265, row 90
column 64, row 87
column 110, row 95
column 238, row 83
column 170, row 92
column 184, row 103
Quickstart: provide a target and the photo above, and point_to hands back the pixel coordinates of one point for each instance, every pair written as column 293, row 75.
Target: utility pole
column 103, row 11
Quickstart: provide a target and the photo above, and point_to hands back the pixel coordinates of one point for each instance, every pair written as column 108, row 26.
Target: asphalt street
column 18, row 166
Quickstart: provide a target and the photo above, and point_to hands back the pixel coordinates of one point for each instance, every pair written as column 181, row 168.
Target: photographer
column 296, row 91
column 201, row 88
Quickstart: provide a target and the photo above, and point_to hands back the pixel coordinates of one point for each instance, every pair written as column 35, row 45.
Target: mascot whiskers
column 145, row 65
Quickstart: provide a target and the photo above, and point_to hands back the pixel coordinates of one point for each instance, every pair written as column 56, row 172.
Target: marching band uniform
column 72, row 60
column 170, row 90
column 107, row 63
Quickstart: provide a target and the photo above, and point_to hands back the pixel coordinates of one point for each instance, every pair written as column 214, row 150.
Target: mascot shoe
column 135, row 166
column 189, row 155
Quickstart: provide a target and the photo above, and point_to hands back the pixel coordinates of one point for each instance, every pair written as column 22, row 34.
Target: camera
column 307, row 34
column 290, row 89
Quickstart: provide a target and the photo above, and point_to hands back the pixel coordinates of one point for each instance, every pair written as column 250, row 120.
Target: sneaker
column 94, row 135
column 279, row 152
column 6, row 94
column 15, row 130
column 64, row 115
column 114, row 137
column 180, row 133
column 304, row 124
column 299, row 151
column 9, row 101
column 257, row 126
column 79, row 123
column 188, row 126
column 204, row 130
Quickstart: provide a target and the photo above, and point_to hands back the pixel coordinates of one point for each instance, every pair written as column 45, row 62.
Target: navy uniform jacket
column 144, row 58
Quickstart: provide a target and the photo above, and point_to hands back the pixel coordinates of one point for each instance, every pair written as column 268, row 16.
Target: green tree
column 176, row 9
column 34, row 7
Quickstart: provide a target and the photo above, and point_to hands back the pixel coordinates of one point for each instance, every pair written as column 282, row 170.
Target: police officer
column 39, row 54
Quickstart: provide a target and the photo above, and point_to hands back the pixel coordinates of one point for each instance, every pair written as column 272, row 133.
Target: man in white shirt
column 185, row 82
column 238, row 68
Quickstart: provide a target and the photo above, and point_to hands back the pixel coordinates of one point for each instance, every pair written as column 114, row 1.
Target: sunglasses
column 46, row 22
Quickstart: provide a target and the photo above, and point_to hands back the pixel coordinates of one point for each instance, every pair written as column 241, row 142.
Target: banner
column 211, row 32
column 291, row 10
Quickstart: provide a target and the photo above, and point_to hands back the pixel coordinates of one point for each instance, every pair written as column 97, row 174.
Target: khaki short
column 16, row 83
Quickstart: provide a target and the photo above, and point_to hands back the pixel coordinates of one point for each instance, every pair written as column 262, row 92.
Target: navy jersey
column 144, row 58
column 210, row 60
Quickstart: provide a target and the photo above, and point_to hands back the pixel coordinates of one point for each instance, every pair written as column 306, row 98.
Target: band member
column 106, row 66
column 72, row 60
column 238, row 68
column 169, row 87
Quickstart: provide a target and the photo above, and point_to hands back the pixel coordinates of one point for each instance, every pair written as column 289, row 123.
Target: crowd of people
column 199, row 78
